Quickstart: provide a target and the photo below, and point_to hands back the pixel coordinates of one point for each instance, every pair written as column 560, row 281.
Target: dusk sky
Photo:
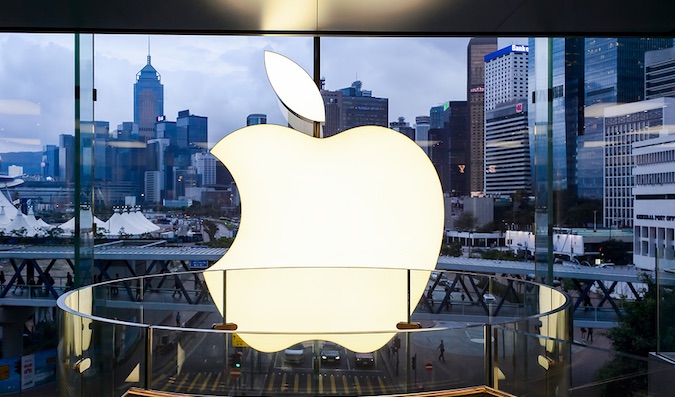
column 220, row 77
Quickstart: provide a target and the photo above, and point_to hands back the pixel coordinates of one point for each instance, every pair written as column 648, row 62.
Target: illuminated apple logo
column 328, row 228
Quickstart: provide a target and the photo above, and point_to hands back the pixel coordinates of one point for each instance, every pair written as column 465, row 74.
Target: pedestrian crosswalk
column 199, row 382
column 328, row 383
column 280, row 382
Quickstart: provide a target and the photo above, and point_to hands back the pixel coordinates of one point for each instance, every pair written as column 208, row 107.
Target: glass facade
column 99, row 167
column 614, row 73
column 137, row 340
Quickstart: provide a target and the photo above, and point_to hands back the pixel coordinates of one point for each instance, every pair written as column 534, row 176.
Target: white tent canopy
column 126, row 223
column 21, row 225
column 86, row 218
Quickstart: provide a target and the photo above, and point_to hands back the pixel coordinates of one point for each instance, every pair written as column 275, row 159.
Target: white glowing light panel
column 328, row 229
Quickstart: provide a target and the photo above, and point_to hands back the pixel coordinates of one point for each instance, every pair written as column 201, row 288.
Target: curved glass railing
column 315, row 333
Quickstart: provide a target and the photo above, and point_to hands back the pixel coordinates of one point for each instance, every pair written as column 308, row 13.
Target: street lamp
column 595, row 220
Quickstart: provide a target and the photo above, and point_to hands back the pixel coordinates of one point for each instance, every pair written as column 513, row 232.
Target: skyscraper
column 660, row 73
column 613, row 74
column 206, row 167
column 403, row 127
column 449, row 149
column 507, row 149
column 256, row 118
column 567, row 117
column 506, row 75
column 457, row 116
column 507, row 152
column 50, row 162
column 476, row 50
column 352, row 107
column 195, row 129
column 422, row 126
column 436, row 116
column 624, row 126
column 148, row 100
column 66, row 157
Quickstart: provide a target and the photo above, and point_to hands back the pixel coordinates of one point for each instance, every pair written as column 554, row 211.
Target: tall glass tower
column 614, row 74
column 567, row 63
column 148, row 100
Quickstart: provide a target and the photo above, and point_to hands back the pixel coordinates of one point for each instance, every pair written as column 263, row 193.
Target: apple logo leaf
column 294, row 87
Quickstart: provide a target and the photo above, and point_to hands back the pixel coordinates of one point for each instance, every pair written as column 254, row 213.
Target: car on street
column 330, row 353
column 365, row 359
column 489, row 298
column 295, row 354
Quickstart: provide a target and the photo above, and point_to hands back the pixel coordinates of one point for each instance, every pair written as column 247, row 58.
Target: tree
column 466, row 222
column 452, row 249
column 210, row 228
column 223, row 242
column 614, row 251
column 634, row 338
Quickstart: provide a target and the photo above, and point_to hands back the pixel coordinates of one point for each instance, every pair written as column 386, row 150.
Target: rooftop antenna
column 148, row 49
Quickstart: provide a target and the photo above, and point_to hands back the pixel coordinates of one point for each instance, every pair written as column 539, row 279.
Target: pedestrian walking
column 178, row 319
column 31, row 287
column 590, row 334
column 463, row 296
column 583, row 332
column 2, row 277
column 113, row 287
column 176, row 289
column 19, row 284
column 441, row 355
column 448, row 298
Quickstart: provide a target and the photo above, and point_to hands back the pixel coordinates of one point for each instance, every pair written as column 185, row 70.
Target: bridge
column 39, row 274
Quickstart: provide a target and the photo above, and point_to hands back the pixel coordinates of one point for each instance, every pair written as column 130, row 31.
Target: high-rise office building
column 422, row 126
column 205, row 163
column 507, row 152
column 128, row 158
column 476, row 50
column 436, row 116
column 256, row 118
column 660, row 73
column 613, row 74
column 50, row 162
column 158, row 163
column 153, row 186
column 506, row 75
column 507, row 149
column 148, row 100
column 457, row 116
column 66, row 157
column 101, row 130
column 403, row 127
column 352, row 107
column 567, row 117
column 449, row 149
column 625, row 125
column 654, row 208
column 194, row 129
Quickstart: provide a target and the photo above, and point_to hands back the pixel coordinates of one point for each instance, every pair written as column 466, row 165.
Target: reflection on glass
column 185, row 355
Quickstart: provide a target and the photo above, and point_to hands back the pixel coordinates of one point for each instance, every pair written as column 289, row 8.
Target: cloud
column 221, row 77
column 37, row 80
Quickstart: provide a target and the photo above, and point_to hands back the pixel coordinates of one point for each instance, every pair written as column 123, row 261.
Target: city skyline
column 415, row 74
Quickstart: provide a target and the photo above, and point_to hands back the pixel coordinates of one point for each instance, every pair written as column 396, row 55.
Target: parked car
column 330, row 353
column 295, row 354
column 365, row 359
